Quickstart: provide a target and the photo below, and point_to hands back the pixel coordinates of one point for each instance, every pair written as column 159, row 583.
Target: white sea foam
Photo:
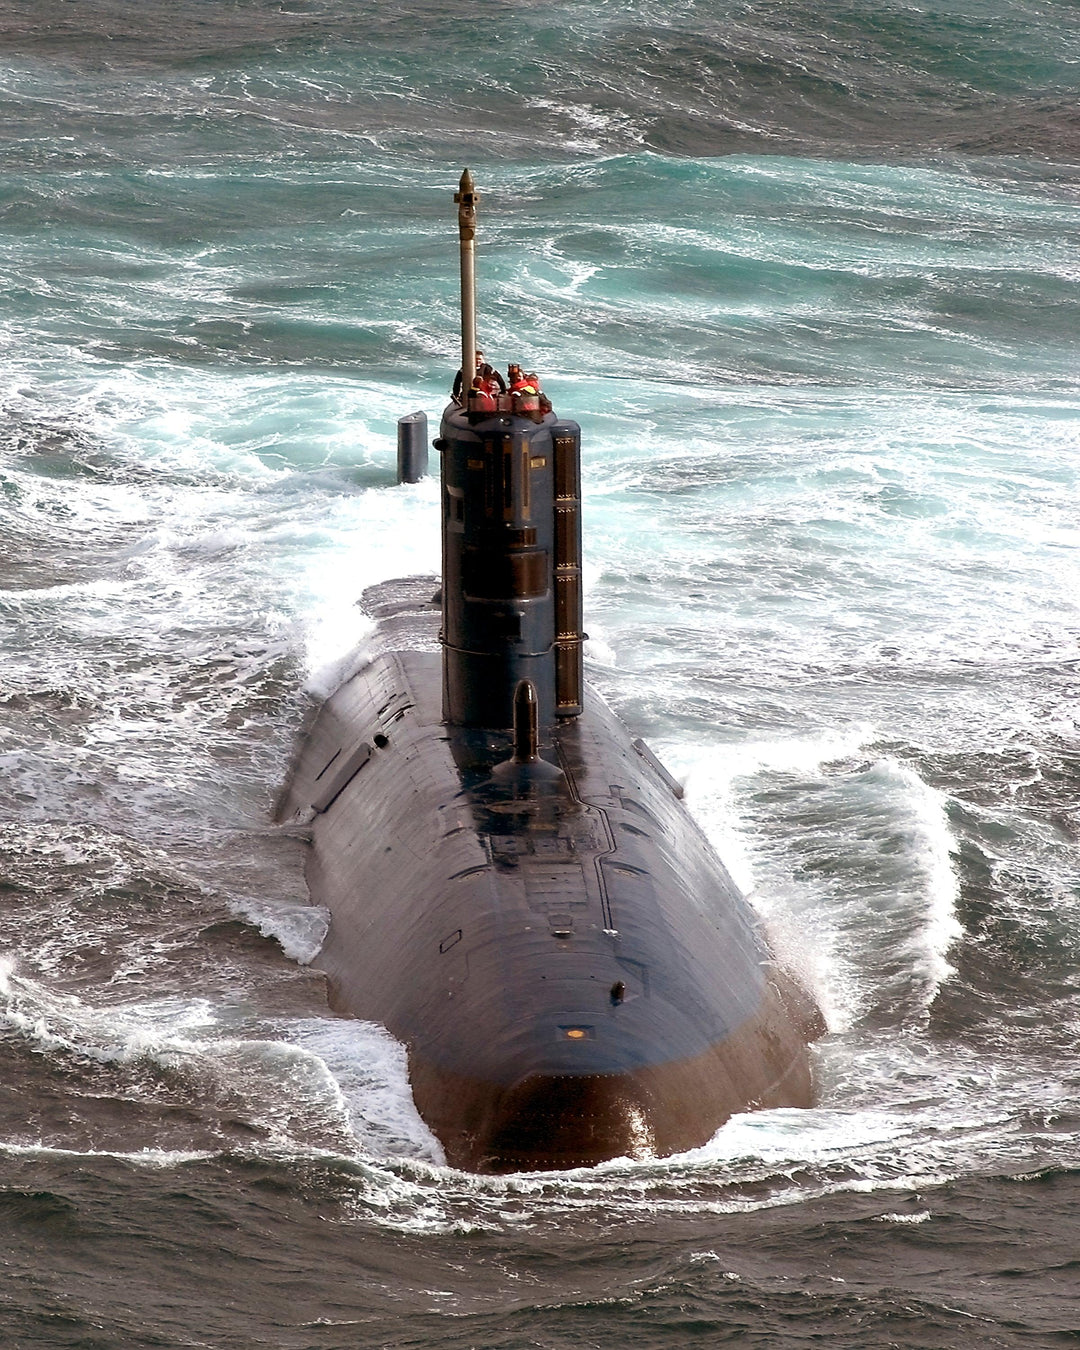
column 931, row 847
column 54, row 1022
column 712, row 777
column 370, row 1069
column 163, row 1159
column 381, row 534
column 326, row 1077
column 299, row 929
column 313, row 1076
column 839, row 932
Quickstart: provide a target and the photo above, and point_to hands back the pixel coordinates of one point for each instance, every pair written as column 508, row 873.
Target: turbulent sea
column 807, row 276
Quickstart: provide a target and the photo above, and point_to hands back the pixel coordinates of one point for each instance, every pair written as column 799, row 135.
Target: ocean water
column 807, row 275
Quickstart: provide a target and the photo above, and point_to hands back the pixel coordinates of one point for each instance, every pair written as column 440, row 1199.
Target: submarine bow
column 516, row 890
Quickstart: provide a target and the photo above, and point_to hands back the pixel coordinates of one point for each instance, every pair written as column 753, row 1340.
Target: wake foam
column 850, row 862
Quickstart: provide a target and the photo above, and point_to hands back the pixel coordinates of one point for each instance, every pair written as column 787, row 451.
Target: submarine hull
column 570, row 967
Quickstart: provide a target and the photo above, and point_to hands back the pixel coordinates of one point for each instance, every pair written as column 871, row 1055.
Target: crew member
column 481, row 396
column 492, row 380
column 521, row 383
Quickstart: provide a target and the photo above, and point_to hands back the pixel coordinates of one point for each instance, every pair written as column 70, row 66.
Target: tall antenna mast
column 466, row 198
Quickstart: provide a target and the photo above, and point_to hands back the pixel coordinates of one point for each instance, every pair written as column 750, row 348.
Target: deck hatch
column 336, row 784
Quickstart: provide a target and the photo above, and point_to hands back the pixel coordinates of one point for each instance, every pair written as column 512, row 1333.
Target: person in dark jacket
column 493, row 381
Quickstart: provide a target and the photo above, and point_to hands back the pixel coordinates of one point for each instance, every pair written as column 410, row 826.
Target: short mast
column 466, row 198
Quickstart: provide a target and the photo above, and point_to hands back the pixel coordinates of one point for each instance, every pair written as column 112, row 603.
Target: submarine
column 516, row 890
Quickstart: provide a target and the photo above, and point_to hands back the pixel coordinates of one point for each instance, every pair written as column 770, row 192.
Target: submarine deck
column 575, row 931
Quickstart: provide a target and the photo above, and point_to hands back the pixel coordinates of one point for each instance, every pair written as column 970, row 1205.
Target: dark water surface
column 807, row 275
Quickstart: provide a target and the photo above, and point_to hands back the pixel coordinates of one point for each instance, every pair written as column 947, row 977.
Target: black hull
column 573, row 972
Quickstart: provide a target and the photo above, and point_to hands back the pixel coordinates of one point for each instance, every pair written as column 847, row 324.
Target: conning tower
column 511, row 532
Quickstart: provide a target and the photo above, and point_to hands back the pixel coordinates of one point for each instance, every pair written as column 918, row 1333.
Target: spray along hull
column 570, row 967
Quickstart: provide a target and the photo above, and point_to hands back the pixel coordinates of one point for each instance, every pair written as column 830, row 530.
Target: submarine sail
column 516, row 890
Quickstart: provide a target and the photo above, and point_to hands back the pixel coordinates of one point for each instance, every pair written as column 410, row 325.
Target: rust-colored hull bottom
column 556, row 1122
